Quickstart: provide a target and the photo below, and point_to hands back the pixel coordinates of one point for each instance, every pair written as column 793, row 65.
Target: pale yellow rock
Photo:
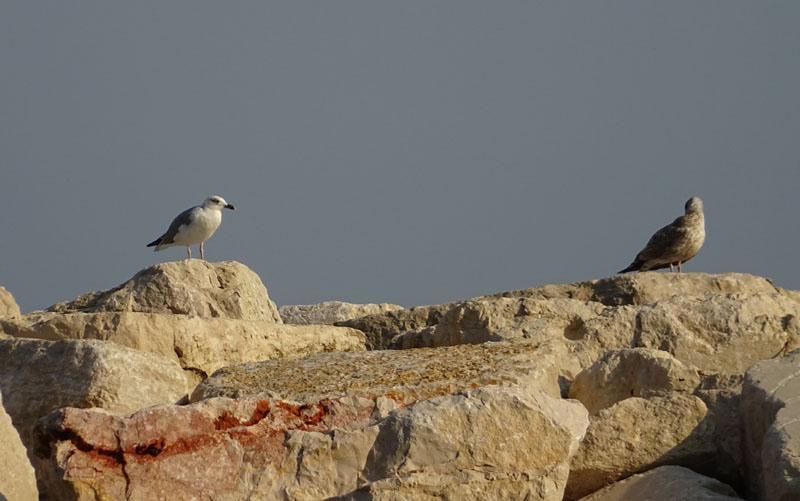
column 666, row 483
column 329, row 312
column 8, row 305
column 199, row 345
column 638, row 434
column 770, row 409
column 587, row 329
column 721, row 333
column 17, row 479
column 490, row 443
column 39, row 376
column 501, row 442
column 226, row 289
column 632, row 372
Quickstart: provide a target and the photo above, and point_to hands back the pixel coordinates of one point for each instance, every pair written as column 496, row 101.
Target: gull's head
column 694, row 204
column 217, row 202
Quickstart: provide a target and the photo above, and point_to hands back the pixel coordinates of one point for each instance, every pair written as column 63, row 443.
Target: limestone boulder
column 17, row 479
column 8, row 305
column 199, row 345
column 632, row 372
column 38, row 376
column 510, row 443
column 663, row 483
column 770, row 410
column 195, row 287
column 635, row 435
column 721, row 333
column 329, row 312
column 408, row 375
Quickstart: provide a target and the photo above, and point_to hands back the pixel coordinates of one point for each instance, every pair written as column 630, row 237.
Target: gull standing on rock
column 193, row 226
column 676, row 242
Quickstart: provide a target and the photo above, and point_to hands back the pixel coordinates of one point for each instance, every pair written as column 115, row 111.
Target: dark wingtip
column 154, row 243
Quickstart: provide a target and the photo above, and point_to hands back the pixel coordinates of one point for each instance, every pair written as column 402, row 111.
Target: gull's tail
column 634, row 266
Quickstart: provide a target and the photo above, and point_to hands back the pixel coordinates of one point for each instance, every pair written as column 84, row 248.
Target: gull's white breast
column 204, row 223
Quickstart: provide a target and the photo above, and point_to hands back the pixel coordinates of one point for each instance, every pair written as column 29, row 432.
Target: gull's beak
column 231, row 207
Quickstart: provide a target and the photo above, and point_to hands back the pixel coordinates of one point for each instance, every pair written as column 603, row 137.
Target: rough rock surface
column 645, row 288
column 17, row 480
column 8, row 305
column 495, row 440
column 382, row 328
column 713, row 332
column 199, row 345
column 408, row 375
column 770, row 407
column 37, row 377
column 634, row 372
column 665, row 483
column 328, row 312
column 638, row 434
column 618, row 290
column 191, row 287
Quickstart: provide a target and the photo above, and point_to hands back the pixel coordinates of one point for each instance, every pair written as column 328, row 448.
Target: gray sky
column 410, row 152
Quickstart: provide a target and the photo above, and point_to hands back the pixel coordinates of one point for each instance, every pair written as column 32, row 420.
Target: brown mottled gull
column 675, row 243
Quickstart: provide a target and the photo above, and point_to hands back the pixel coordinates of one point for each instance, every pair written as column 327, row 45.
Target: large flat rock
column 493, row 440
column 38, row 376
column 409, row 375
column 770, row 409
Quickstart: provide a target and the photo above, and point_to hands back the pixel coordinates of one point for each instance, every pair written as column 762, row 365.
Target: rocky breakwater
column 601, row 389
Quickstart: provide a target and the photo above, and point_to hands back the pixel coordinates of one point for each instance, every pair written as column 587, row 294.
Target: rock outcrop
column 506, row 443
column 37, row 377
column 329, row 312
column 664, row 483
column 770, row 408
column 8, row 305
column 17, row 480
column 192, row 287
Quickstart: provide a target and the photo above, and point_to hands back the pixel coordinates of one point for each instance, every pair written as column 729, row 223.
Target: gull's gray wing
column 184, row 218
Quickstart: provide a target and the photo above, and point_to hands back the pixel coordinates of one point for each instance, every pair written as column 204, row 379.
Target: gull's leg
column 189, row 251
column 671, row 269
column 679, row 267
column 201, row 252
